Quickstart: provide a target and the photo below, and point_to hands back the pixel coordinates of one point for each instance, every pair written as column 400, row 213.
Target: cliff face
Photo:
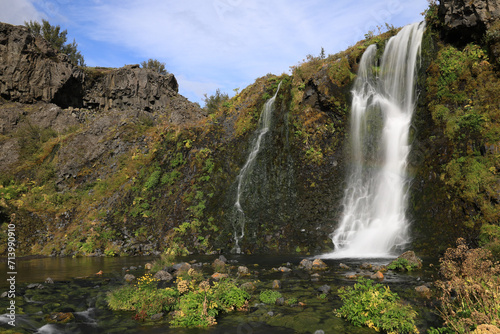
column 471, row 21
column 30, row 70
column 455, row 191
column 468, row 19
column 130, row 87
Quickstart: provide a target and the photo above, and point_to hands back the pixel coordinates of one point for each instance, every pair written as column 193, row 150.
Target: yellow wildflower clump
column 146, row 281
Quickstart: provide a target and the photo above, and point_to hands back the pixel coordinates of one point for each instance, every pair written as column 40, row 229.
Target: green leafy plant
column 402, row 264
column 269, row 296
column 144, row 301
column 194, row 302
column 153, row 180
column 377, row 307
column 229, row 296
column 169, row 178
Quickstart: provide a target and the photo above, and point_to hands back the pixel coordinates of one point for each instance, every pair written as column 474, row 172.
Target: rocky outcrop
column 131, row 87
column 466, row 20
column 31, row 70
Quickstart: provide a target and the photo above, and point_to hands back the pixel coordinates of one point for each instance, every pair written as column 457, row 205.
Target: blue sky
column 210, row 44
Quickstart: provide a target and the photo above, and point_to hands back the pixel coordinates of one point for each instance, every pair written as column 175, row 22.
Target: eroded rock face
column 31, row 70
column 465, row 20
column 131, row 87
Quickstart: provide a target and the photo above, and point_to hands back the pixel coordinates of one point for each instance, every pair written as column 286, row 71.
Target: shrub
column 195, row 303
column 470, row 290
column 57, row 39
column 269, row 296
column 196, row 309
column 229, row 296
column 377, row 307
column 214, row 102
column 154, row 65
column 402, row 264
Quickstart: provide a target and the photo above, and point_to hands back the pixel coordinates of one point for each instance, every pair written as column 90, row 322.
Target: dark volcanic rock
column 31, row 70
column 131, row 87
column 467, row 20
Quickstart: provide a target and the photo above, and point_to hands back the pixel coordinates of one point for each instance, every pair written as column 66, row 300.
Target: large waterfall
column 374, row 223
column 264, row 126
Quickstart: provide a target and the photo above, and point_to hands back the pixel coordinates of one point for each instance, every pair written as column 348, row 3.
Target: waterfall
column 263, row 128
column 374, row 223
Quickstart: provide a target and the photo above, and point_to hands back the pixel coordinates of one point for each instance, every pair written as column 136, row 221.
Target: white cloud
column 18, row 11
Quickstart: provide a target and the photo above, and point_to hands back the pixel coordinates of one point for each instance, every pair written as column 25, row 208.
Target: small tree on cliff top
column 57, row 39
column 155, row 65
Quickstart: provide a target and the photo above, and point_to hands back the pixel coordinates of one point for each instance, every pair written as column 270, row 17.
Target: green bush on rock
column 402, row 264
column 194, row 302
column 376, row 306
column 269, row 296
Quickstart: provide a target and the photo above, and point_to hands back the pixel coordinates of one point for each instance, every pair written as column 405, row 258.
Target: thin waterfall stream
column 374, row 222
column 264, row 126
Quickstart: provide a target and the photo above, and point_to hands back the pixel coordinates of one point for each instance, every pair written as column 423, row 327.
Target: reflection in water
column 37, row 270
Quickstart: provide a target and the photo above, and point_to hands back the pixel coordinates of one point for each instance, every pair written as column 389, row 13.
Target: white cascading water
column 374, row 222
column 264, row 126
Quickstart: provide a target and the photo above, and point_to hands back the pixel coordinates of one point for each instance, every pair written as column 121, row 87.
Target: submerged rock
column 366, row 265
column 344, row 266
column 424, row 291
column 60, row 317
column 276, row 284
column 318, row 264
column 378, row 276
column 181, row 268
column 306, row 264
column 129, row 278
column 248, row 286
column 218, row 264
column 218, row 276
column 243, row 271
column 325, row 289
